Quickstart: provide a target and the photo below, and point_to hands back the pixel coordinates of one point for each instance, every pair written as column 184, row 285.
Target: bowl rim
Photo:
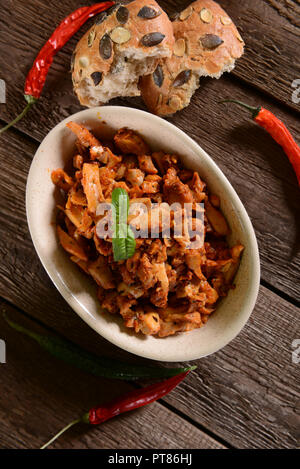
column 246, row 222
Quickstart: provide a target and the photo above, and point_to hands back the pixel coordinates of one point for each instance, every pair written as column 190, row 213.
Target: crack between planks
column 280, row 293
column 28, row 316
column 177, row 412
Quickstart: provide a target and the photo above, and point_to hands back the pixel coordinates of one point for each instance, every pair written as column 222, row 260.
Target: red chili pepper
column 131, row 401
column 37, row 75
column 277, row 130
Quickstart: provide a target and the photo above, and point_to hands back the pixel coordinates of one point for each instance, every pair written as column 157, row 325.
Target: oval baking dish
column 80, row 292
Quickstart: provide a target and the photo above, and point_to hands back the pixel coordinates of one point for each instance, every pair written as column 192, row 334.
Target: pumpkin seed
column 91, row 38
column 96, row 77
column 225, row 20
column 175, row 103
column 211, row 41
column 179, row 47
column 148, row 13
column 100, row 18
column 152, row 39
column 206, row 15
column 105, row 47
column 120, row 35
column 182, row 78
column 185, row 14
column 158, row 76
column 83, row 62
column 122, row 15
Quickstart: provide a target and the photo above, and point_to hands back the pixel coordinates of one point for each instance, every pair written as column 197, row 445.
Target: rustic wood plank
column 288, row 9
column 270, row 62
column 256, row 166
column 270, row 29
column 248, row 393
column 245, row 394
column 39, row 395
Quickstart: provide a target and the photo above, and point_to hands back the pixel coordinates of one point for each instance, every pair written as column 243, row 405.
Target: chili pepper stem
column 255, row 110
column 61, row 432
column 18, row 118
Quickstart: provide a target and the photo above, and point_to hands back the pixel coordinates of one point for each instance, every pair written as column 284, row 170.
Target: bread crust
column 207, row 43
column 114, row 27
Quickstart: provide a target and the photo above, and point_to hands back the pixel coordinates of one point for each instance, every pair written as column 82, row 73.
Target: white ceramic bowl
column 80, row 292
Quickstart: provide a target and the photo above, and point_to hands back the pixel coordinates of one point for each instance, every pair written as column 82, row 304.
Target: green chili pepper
column 97, row 366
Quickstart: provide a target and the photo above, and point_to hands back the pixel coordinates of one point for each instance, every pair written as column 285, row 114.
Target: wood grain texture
column 246, row 394
column 39, row 395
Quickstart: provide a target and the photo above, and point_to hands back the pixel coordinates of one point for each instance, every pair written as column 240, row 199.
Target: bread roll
column 207, row 43
column 124, row 44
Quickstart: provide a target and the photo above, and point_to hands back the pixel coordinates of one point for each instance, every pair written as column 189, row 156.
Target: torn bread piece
column 125, row 43
column 207, row 43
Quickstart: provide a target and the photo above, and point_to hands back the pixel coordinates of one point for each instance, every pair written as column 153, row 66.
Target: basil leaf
column 123, row 238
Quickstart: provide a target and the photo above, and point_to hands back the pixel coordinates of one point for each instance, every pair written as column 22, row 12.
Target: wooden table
column 245, row 396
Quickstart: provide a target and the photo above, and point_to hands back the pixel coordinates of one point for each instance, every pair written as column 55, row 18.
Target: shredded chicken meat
column 165, row 287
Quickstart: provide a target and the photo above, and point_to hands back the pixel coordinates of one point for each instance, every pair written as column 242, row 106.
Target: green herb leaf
column 123, row 238
column 98, row 366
